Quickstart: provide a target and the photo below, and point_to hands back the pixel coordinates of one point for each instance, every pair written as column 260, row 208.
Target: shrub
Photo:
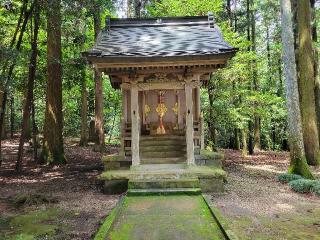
column 302, row 185
column 288, row 177
column 316, row 188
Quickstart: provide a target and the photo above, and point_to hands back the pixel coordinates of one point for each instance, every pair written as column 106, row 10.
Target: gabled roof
column 159, row 38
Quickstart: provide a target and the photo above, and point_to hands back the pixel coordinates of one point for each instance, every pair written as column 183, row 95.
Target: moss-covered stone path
column 165, row 217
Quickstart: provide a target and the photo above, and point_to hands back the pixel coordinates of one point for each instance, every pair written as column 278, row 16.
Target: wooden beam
column 174, row 85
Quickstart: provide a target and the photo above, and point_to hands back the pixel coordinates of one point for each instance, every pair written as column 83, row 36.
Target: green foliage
column 183, row 8
column 302, row 185
column 288, row 177
column 316, row 188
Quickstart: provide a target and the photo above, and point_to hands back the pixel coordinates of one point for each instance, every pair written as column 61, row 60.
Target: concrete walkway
column 180, row 217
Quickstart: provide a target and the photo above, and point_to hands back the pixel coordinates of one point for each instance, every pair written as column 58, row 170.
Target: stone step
column 164, row 183
column 162, row 137
column 168, row 191
column 163, row 154
column 162, row 142
column 162, row 148
column 167, row 160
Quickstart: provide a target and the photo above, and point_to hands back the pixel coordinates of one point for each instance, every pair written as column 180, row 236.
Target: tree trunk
column 211, row 125
column 84, row 112
column 229, row 12
column 236, row 139
column 256, row 131
column 99, row 123
column 129, row 8
column 298, row 163
column 137, row 8
column 12, row 118
column 316, row 64
column 307, row 84
column 113, row 123
column 35, row 138
column 30, row 87
column 53, row 151
column 244, row 143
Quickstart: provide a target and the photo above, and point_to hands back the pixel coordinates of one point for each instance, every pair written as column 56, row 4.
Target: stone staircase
column 163, row 179
column 162, row 149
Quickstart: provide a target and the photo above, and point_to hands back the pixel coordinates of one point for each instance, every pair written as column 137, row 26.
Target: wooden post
column 135, row 128
column 189, row 124
column 198, row 104
column 123, row 121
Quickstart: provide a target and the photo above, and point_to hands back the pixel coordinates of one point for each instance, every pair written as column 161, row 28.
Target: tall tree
column 307, row 83
column 316, row 62
column 30, row 86
column 256, row 131
column 84, row 110
column 53, row 150
column 298, row 163
column 99, row 122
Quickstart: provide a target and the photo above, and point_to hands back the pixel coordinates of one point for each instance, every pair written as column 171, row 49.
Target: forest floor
column 259, row 207
column 66, row 202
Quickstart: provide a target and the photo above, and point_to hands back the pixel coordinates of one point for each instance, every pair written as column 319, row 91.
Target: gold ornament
column 147, row 110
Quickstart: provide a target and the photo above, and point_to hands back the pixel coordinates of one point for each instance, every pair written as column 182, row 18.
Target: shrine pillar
column 124, row 119
column 189, row 123
column 135, row 124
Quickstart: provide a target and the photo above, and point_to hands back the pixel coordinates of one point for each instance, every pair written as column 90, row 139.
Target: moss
column 165, row 217
column 302, row 185
column 300, row 167
column 211, row 155
column 113, row 158
column 288, row 177
column 32, row 225
column 106, row 225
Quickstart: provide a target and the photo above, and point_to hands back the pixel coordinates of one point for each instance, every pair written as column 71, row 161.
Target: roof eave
column 136, row 61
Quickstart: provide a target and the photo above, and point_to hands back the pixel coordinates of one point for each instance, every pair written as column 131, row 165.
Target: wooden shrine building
column 160, row 64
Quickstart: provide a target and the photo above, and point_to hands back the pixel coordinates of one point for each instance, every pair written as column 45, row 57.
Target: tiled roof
column 166, row 37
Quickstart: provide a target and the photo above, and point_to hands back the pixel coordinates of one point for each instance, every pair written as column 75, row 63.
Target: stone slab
column 165, row 217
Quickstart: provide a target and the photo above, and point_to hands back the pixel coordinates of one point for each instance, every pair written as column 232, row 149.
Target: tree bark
column 35, row 138
column 53, row 151
column 307, row 84
column 236, row 139
column 84, row 112
column 211, row 125
column 298, row 163
column 30, row 87
column 244, row 143
column 316, row 64
column 12, row 117
column 99, row 122
column 229, row 12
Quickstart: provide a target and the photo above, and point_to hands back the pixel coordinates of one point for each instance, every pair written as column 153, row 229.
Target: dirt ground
column 255, row 203
column 259, row 207
column 78, row 202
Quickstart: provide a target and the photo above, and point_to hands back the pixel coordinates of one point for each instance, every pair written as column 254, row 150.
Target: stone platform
column 164, row 179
